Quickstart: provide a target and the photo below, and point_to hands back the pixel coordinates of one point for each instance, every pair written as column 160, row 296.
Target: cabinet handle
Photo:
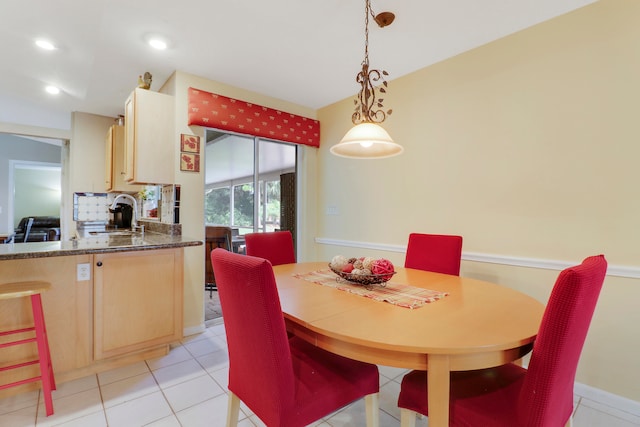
column 99, row 263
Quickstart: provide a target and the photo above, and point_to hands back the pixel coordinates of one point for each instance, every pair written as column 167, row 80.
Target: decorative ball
column 358, row 264
column 368, row 262
column 338, row 262
column 347, row 268
column 383, row 266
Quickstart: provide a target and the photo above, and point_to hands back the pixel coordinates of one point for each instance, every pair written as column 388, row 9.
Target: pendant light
column 367, row 139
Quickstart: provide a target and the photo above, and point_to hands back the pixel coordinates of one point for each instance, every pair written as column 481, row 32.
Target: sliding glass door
column 249, row 183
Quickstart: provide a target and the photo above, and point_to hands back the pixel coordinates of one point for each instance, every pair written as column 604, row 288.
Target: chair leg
column 44, row 356
column 372, row 409
column 407, row 418
column 233, row 410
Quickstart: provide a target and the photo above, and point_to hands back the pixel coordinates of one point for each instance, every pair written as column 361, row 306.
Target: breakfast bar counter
column 101, row 243
column 116, row 298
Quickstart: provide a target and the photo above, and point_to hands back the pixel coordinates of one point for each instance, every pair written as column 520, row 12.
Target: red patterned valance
column 220, row 112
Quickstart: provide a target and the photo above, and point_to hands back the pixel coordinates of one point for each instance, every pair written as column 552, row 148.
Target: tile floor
column 212, row 308
column 186, row 388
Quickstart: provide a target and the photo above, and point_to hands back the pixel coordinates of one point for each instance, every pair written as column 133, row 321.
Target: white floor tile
column 392, row 373
column 170, row 421
column 192, row 392
column 214, row 361
column 256, row 421
column 176, row 355
column 19, row 401
column 212, row 412
column 139, row 412
column 221, row 376
column 208, row 345
column 247, row 423
column 96, row 419
column 218, row 329
column 130, row 388
column 24, row 417
column 354, row 416
column 121, row 373
column 389, row 399
column 75, row 386
column 178, row 373
column 71, row 407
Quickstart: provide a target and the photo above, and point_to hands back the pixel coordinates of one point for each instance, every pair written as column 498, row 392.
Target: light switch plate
column 333, row 210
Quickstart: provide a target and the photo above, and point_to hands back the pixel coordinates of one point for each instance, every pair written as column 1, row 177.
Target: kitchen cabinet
column 138, row 300
column 67, row 309
column 114, row 162
column 149, row 138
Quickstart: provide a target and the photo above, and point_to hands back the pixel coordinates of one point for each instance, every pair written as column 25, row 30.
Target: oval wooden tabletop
column 475, row 317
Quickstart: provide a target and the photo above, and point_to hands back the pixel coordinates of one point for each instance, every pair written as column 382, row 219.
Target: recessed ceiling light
column 45, row 44
column 157, row 43
column 52, row 90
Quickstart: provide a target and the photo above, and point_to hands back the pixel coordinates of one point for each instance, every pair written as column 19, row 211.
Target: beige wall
column 37, row 192
column 528, row 147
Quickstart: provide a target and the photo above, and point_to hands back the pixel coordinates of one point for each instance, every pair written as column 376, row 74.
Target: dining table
column 417, row 320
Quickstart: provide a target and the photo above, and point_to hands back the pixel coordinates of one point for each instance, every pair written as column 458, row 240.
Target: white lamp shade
column 366, row 141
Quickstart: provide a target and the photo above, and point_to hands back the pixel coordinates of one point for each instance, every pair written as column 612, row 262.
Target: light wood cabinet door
column 108, row 160
column 115, row 162
column 138, row 300
column 68, row 312
column 149, row 138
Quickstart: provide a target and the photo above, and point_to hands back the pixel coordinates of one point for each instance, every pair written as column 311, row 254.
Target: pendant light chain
column 367, row 10
column 366, row 102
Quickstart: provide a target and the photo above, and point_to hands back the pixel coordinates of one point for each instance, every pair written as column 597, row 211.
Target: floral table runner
column 393, row 293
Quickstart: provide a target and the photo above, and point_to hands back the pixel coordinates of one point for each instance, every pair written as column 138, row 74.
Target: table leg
column 439, row 376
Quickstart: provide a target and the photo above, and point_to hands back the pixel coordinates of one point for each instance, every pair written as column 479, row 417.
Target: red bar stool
column 31, row 289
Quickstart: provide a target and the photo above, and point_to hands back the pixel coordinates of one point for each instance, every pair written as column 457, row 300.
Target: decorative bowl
column 364, row 279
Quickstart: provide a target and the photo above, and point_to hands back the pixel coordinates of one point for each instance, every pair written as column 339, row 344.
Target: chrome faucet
column 134, row 217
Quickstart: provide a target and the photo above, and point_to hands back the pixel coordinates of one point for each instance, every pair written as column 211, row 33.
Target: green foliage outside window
column 216, row 206
column 243, row 205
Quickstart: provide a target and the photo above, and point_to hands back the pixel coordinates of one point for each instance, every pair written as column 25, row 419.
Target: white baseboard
column 608, row 399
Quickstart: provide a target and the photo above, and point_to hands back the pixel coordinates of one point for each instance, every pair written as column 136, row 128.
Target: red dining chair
column 285, row 382
column 509, row 395
column 276, row 246
column 439, row 253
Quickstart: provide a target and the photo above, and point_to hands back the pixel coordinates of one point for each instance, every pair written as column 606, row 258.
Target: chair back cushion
column 276, row 246
column 439, row 253
column 546, row 398
column 260, row 365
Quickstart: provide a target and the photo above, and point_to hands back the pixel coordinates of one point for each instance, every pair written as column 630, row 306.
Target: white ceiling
column 299, row 51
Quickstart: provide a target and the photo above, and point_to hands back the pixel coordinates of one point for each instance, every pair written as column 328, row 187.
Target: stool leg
column 46, row 369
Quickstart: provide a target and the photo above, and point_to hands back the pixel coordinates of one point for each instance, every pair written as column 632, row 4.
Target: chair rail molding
column 613, row 270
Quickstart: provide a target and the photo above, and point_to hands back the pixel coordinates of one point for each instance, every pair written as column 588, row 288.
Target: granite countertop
column 95, row 245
